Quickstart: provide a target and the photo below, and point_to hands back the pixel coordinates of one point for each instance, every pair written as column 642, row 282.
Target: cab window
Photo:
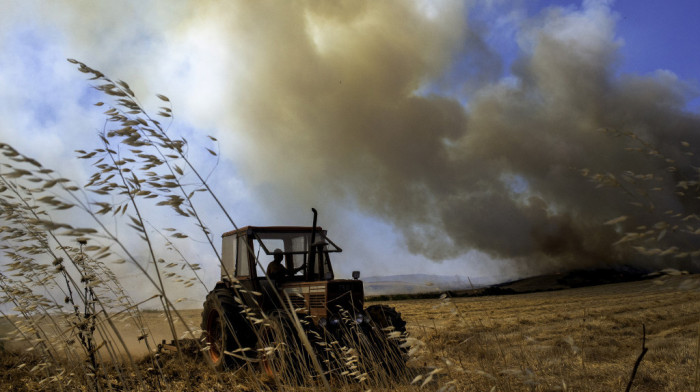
column 242, row 266
column 228, row 256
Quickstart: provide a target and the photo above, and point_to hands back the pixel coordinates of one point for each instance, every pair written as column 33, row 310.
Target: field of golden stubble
column 584, row 339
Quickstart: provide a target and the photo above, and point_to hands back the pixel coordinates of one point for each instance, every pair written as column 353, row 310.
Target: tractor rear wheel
column 226, row 330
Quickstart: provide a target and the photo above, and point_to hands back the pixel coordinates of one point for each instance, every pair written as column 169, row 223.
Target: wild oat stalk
column 666, row 222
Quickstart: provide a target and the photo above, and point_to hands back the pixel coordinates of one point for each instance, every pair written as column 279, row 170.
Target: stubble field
column 584, row 339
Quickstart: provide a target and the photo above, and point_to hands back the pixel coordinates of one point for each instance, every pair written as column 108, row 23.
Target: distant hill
column 421, row 283
column 407, row 285
column 577, row 278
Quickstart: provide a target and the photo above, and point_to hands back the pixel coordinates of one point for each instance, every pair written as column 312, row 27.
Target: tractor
column 249, row 316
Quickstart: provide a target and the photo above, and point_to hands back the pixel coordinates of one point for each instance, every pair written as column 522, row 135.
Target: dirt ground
column 156, row 324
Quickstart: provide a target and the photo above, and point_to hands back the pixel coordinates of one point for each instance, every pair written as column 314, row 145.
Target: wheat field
column 584, row 339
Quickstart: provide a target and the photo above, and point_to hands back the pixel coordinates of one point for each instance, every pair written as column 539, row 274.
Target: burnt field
column 584, row 339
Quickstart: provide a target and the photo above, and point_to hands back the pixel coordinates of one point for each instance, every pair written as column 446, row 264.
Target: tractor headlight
column 359, row 318
column 322, row 322
column 335, row 320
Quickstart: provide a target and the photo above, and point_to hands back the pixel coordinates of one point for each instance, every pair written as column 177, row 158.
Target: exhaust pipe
column 312, row 249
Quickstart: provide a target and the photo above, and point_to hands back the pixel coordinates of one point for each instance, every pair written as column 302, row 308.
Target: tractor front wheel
column 389, row 332
column 386, row 317
column 280, row 352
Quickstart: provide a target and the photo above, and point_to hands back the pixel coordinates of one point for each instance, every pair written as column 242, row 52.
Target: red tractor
column 250, row 314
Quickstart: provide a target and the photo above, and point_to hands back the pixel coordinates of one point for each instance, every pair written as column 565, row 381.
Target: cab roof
column 270, row 229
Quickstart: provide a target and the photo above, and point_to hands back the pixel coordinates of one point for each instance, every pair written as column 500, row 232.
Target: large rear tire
column 228, row 334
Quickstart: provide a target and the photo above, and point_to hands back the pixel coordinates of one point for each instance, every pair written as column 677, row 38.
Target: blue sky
column 660, row 35
column 654, row 35
column 347, row 81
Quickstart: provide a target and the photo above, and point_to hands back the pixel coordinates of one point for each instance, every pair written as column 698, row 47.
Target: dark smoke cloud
column 334, row 114
column 397, row 108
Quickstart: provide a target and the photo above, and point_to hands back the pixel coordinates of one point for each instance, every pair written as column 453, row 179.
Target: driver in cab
column 278, row 272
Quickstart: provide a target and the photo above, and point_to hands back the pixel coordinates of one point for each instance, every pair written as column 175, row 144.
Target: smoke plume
column 404, row 110
column 343, row 103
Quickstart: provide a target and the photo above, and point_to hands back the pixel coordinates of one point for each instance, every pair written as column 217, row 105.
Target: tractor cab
column 246, row 253
column 310, row 283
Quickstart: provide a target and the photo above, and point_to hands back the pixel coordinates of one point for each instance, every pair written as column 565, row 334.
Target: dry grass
column 584, row 339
